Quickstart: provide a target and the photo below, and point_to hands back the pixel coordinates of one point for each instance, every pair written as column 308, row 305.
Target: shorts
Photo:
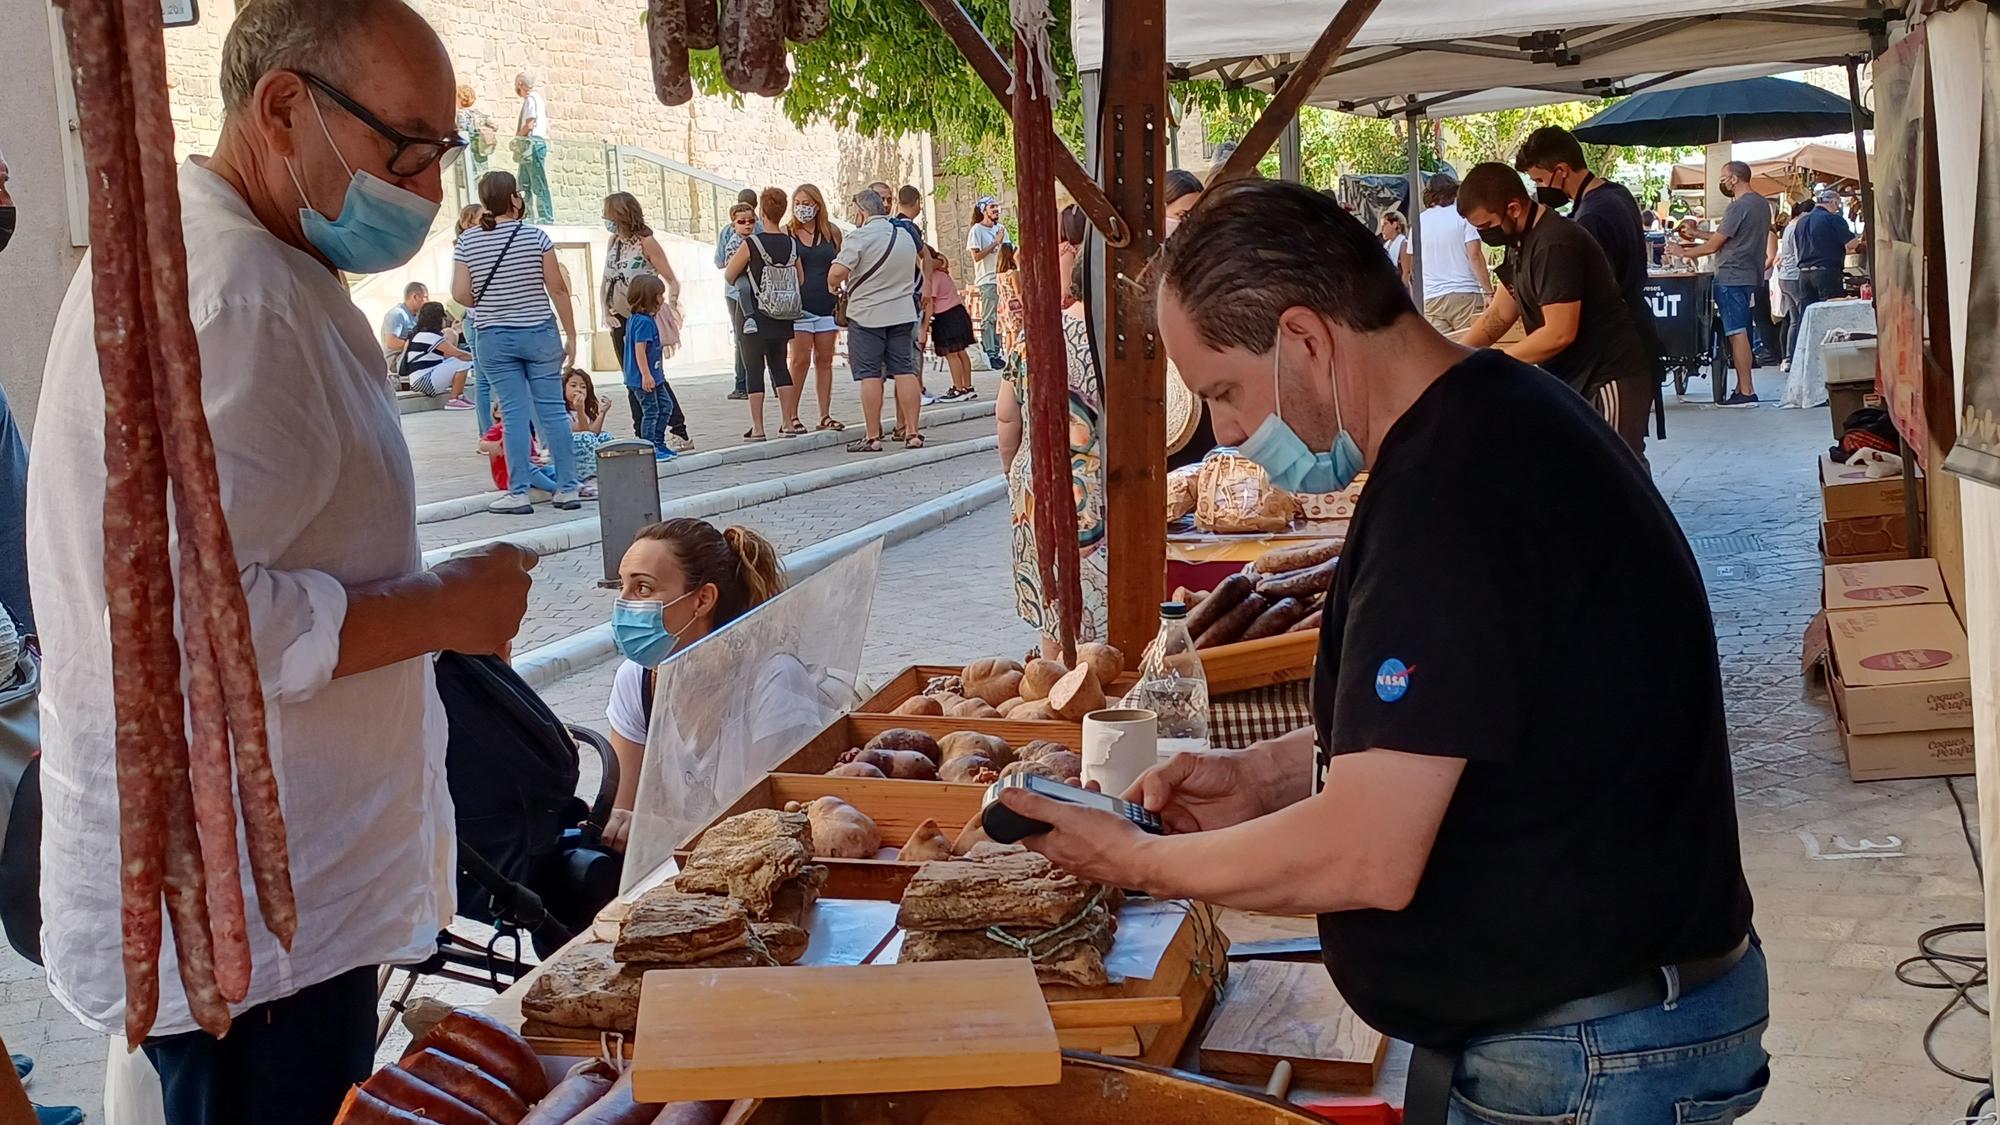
column 811, row 323
column 877, row 352
column 1734, row 302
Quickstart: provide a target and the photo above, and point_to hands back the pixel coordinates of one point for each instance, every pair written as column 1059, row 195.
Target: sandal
column 914, row 441
column 829, row 422
column 792, row 429
column 897, row 434
column 752, row 435
column 865, row 445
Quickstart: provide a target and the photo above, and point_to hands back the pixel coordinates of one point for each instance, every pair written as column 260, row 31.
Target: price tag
column 179, row 13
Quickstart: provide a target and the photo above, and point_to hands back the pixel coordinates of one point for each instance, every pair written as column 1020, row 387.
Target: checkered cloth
column 1244, row 717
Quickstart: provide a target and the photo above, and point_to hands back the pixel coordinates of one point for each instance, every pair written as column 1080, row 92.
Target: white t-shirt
column 985, row 271
column 534, row 106
column 1445, row 234
column 1394, row 248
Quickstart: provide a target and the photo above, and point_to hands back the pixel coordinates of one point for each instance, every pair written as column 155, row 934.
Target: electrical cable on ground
column 1936, row 967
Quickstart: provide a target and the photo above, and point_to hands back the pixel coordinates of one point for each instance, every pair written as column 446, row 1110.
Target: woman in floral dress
column 1086, row 443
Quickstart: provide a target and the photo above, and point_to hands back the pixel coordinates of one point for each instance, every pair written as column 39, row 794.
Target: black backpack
column 528, row 846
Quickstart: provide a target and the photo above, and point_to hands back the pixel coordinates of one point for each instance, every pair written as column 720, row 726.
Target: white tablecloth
column 1807, row 384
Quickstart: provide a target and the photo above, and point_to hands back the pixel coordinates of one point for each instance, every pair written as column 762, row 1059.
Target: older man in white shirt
column 877, row 264
column 338, row 119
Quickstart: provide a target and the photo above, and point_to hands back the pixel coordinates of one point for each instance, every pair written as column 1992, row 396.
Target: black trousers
column 677, row 422
column 736, row 328
column 762, row 356
column 288, row 1062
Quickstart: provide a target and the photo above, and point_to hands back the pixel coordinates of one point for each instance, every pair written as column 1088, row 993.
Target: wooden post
column 1861, row 162
column 1284, row 105
column 1132, row 157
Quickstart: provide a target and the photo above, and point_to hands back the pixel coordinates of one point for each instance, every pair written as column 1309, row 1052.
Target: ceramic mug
column 1119, row 744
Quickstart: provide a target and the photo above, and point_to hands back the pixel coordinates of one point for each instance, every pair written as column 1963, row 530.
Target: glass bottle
column 1173, row 685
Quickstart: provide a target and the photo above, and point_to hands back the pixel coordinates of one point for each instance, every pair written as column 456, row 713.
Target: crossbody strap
column 495, row 267
column 887, row 252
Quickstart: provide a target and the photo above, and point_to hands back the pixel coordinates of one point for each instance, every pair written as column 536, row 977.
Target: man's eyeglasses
column 413, row 155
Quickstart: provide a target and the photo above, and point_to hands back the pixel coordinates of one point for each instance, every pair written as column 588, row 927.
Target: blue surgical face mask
column 380, row 227
column 1289, row 462
column 639, row 629
column 806, row 212
column 611, row 225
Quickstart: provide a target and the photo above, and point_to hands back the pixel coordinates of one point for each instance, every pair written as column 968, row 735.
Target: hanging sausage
column 666, row 36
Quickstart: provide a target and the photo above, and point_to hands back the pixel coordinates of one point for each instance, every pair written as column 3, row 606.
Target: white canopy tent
column 1451, row 57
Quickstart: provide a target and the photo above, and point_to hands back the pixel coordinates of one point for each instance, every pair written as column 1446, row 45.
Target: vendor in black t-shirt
column 1557, row 282
column 1513, row 813
column 1553, row 160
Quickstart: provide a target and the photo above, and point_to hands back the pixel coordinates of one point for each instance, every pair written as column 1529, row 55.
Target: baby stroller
column 530, row 860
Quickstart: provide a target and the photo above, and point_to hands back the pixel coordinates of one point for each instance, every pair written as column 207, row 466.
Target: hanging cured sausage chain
column 750, row 35
column 1047, row 357
column 178, row 796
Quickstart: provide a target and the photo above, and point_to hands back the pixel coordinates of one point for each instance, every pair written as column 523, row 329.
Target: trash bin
column 628, row 497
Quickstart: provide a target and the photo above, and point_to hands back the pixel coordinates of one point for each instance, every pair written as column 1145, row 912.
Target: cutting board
column 1276, row 1011
column 713, row 1034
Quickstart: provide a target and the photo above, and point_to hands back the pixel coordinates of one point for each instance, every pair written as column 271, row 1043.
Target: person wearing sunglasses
column 337, row 128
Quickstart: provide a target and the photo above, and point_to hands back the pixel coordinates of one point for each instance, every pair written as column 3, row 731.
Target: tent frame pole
column 1298, row 85
column 1861, row 160
column 1414, row 144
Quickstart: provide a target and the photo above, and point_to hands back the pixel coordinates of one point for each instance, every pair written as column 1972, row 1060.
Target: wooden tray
column 897, row 807
column 848, row 731
column 1198, row 943
column 1259, row 663
column 911, row 680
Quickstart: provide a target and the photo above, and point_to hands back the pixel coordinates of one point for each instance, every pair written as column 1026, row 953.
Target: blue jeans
column 655, row 407
column 1734, row 303
column 14, row 521
column 1700, row 1062
column 534, row 178
column 482, row 391
column 524, row 368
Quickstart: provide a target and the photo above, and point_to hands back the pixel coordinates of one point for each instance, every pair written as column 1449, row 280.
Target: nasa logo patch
column 1392, row 680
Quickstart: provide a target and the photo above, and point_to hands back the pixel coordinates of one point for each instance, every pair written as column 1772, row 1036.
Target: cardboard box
column 1848, row 492
column 1901, row 582
column 1900, row 668
column 1864, row 539
column 1913, row 753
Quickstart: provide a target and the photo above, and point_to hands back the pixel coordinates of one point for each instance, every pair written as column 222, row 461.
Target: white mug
column 1119, row 744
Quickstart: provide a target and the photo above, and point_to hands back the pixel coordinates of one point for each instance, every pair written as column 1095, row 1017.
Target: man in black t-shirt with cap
column 1557, row 282
column 1513, row 811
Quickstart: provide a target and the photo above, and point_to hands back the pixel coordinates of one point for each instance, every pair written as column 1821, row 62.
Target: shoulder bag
column 840, row 302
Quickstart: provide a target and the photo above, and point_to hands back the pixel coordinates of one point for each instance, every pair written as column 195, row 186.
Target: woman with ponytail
column 681, row 580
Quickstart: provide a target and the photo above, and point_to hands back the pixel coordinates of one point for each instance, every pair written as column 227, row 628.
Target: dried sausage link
column 667, row 43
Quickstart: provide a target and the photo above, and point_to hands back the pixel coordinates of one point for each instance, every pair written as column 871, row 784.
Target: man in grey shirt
column 1739, row 244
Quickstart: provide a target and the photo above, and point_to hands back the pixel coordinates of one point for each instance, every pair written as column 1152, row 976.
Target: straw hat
column 1183, row 411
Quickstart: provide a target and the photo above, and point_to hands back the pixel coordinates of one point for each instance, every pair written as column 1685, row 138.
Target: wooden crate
column 897, row 807
column 848, row 731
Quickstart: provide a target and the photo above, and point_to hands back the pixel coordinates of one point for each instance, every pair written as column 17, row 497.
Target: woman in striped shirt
column 504, row 271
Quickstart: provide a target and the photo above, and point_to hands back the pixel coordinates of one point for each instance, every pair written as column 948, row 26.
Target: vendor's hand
column 485, row 594
column 617, row 829
column 1087, row 843
column 1203, row 790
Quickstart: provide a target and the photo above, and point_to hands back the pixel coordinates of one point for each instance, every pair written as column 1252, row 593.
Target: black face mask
column 6, row 225
column 1501, row 236
column 1554, row 197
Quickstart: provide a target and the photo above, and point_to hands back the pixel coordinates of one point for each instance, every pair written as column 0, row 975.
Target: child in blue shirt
column 646, row 293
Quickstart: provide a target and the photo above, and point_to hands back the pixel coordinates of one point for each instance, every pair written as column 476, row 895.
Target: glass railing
column 677, row 198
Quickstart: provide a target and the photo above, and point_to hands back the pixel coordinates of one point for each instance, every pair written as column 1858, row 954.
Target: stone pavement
column 447, row 464
column 1846, row 1036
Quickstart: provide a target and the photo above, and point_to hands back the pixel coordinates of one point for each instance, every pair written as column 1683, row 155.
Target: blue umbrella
column 1754, row 109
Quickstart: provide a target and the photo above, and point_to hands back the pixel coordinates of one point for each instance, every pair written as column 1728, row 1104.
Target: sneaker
column 587, row 490
column 1738, row 398
column 928, row 400
column 966, row 395
column 680, row 444
column 540, row 495
column 513, row 504
column 457, row 404
column 662, row 456
column 568, row 499
column 23, row 1066
column 738, row 396
column 58, row 1115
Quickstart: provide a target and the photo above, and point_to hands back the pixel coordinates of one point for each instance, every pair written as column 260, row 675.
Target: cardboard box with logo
column 1875, row 584
column 1900, row 668
column 1864, row 539
column 1909, row 753
column 1849, row 492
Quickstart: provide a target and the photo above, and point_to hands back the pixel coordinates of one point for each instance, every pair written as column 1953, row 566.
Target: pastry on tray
column 750, row 872
column 667, row 927
column 991, row 887
column 1076, row 960
column 756, row 825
